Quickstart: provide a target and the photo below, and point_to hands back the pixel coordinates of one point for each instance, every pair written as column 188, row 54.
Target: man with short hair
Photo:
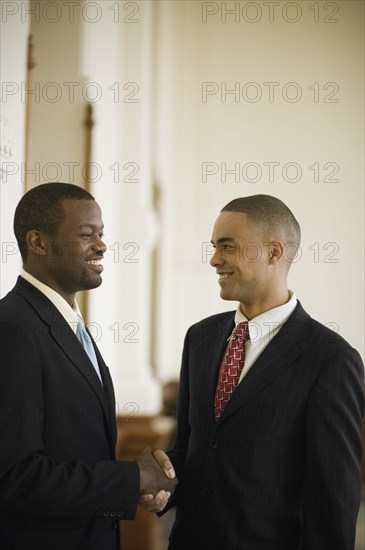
column 60, row 485
column 268, row 445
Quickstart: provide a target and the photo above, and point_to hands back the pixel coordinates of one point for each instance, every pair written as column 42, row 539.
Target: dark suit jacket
column 280, row 470
column 60, row 487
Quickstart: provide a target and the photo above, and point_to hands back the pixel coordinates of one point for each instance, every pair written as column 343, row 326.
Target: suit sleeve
column 178, row 453
column 30, row 482
column 333, row 453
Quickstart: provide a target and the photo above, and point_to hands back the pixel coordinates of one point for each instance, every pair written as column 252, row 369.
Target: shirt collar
column 68, row 313
column 268, row 321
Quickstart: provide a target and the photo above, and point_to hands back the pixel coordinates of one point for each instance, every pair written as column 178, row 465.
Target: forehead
column 230, row 225
column 80, row 212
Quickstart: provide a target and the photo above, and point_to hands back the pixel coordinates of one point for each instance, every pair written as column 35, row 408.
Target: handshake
column 157, row 480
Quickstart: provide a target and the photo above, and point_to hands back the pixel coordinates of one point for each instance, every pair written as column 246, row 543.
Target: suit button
column 213, row 444
column 99, row 513
column 106, row 514
column 205, row 492
column 113, row 514
column 120, row 514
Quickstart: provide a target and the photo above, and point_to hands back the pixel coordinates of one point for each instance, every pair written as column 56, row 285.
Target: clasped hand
column 157, row 480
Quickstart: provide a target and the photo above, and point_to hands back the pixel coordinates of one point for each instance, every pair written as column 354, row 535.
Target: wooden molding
column 28, row 112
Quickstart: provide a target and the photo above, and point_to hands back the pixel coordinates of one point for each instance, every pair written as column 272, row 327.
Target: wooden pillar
column 88, row 125
column 28, row 112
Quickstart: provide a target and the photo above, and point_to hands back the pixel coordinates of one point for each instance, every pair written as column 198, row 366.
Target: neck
column 252, row 309
column 46, row 280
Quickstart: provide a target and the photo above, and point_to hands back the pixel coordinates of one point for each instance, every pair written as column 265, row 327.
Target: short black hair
column 270, row 214
column 41, row 208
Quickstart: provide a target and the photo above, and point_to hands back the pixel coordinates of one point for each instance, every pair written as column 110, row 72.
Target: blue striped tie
column 86, row 343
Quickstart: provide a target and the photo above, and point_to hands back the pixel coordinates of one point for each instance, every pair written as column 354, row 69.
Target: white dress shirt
column 263, row 328
column 68, row 313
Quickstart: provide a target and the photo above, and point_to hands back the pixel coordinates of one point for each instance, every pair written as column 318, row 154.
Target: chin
column 89, row 284
column 225, row 295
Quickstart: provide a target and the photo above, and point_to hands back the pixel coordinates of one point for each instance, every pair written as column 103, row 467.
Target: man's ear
column 276, row 251
column 36, row 242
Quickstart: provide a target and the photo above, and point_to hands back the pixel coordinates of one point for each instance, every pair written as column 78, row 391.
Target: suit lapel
column 211, row 345
column 278, row 356
column 65, row 338
column 216, row 342
column 109, row 393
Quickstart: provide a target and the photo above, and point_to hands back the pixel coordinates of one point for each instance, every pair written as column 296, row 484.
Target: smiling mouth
column 95, row 264
column 223, row 276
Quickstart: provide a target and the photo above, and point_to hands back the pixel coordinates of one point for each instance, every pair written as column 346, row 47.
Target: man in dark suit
column 270, row 460
column 60, row 485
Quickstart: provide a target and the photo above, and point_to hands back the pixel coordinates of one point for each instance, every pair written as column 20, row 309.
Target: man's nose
column 99, row 245
column 217, row 258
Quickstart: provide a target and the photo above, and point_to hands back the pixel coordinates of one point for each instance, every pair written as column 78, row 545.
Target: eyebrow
column 92, row 226
column 223, row 240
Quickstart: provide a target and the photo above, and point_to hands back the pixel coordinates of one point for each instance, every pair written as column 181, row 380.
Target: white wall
column 13, row 50
column 191, row 132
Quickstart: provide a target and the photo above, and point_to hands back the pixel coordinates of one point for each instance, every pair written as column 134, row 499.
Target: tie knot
column 241, row 331
column 81, row 332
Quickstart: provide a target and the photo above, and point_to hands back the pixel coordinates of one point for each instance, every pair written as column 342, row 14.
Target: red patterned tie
column 231, row 367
